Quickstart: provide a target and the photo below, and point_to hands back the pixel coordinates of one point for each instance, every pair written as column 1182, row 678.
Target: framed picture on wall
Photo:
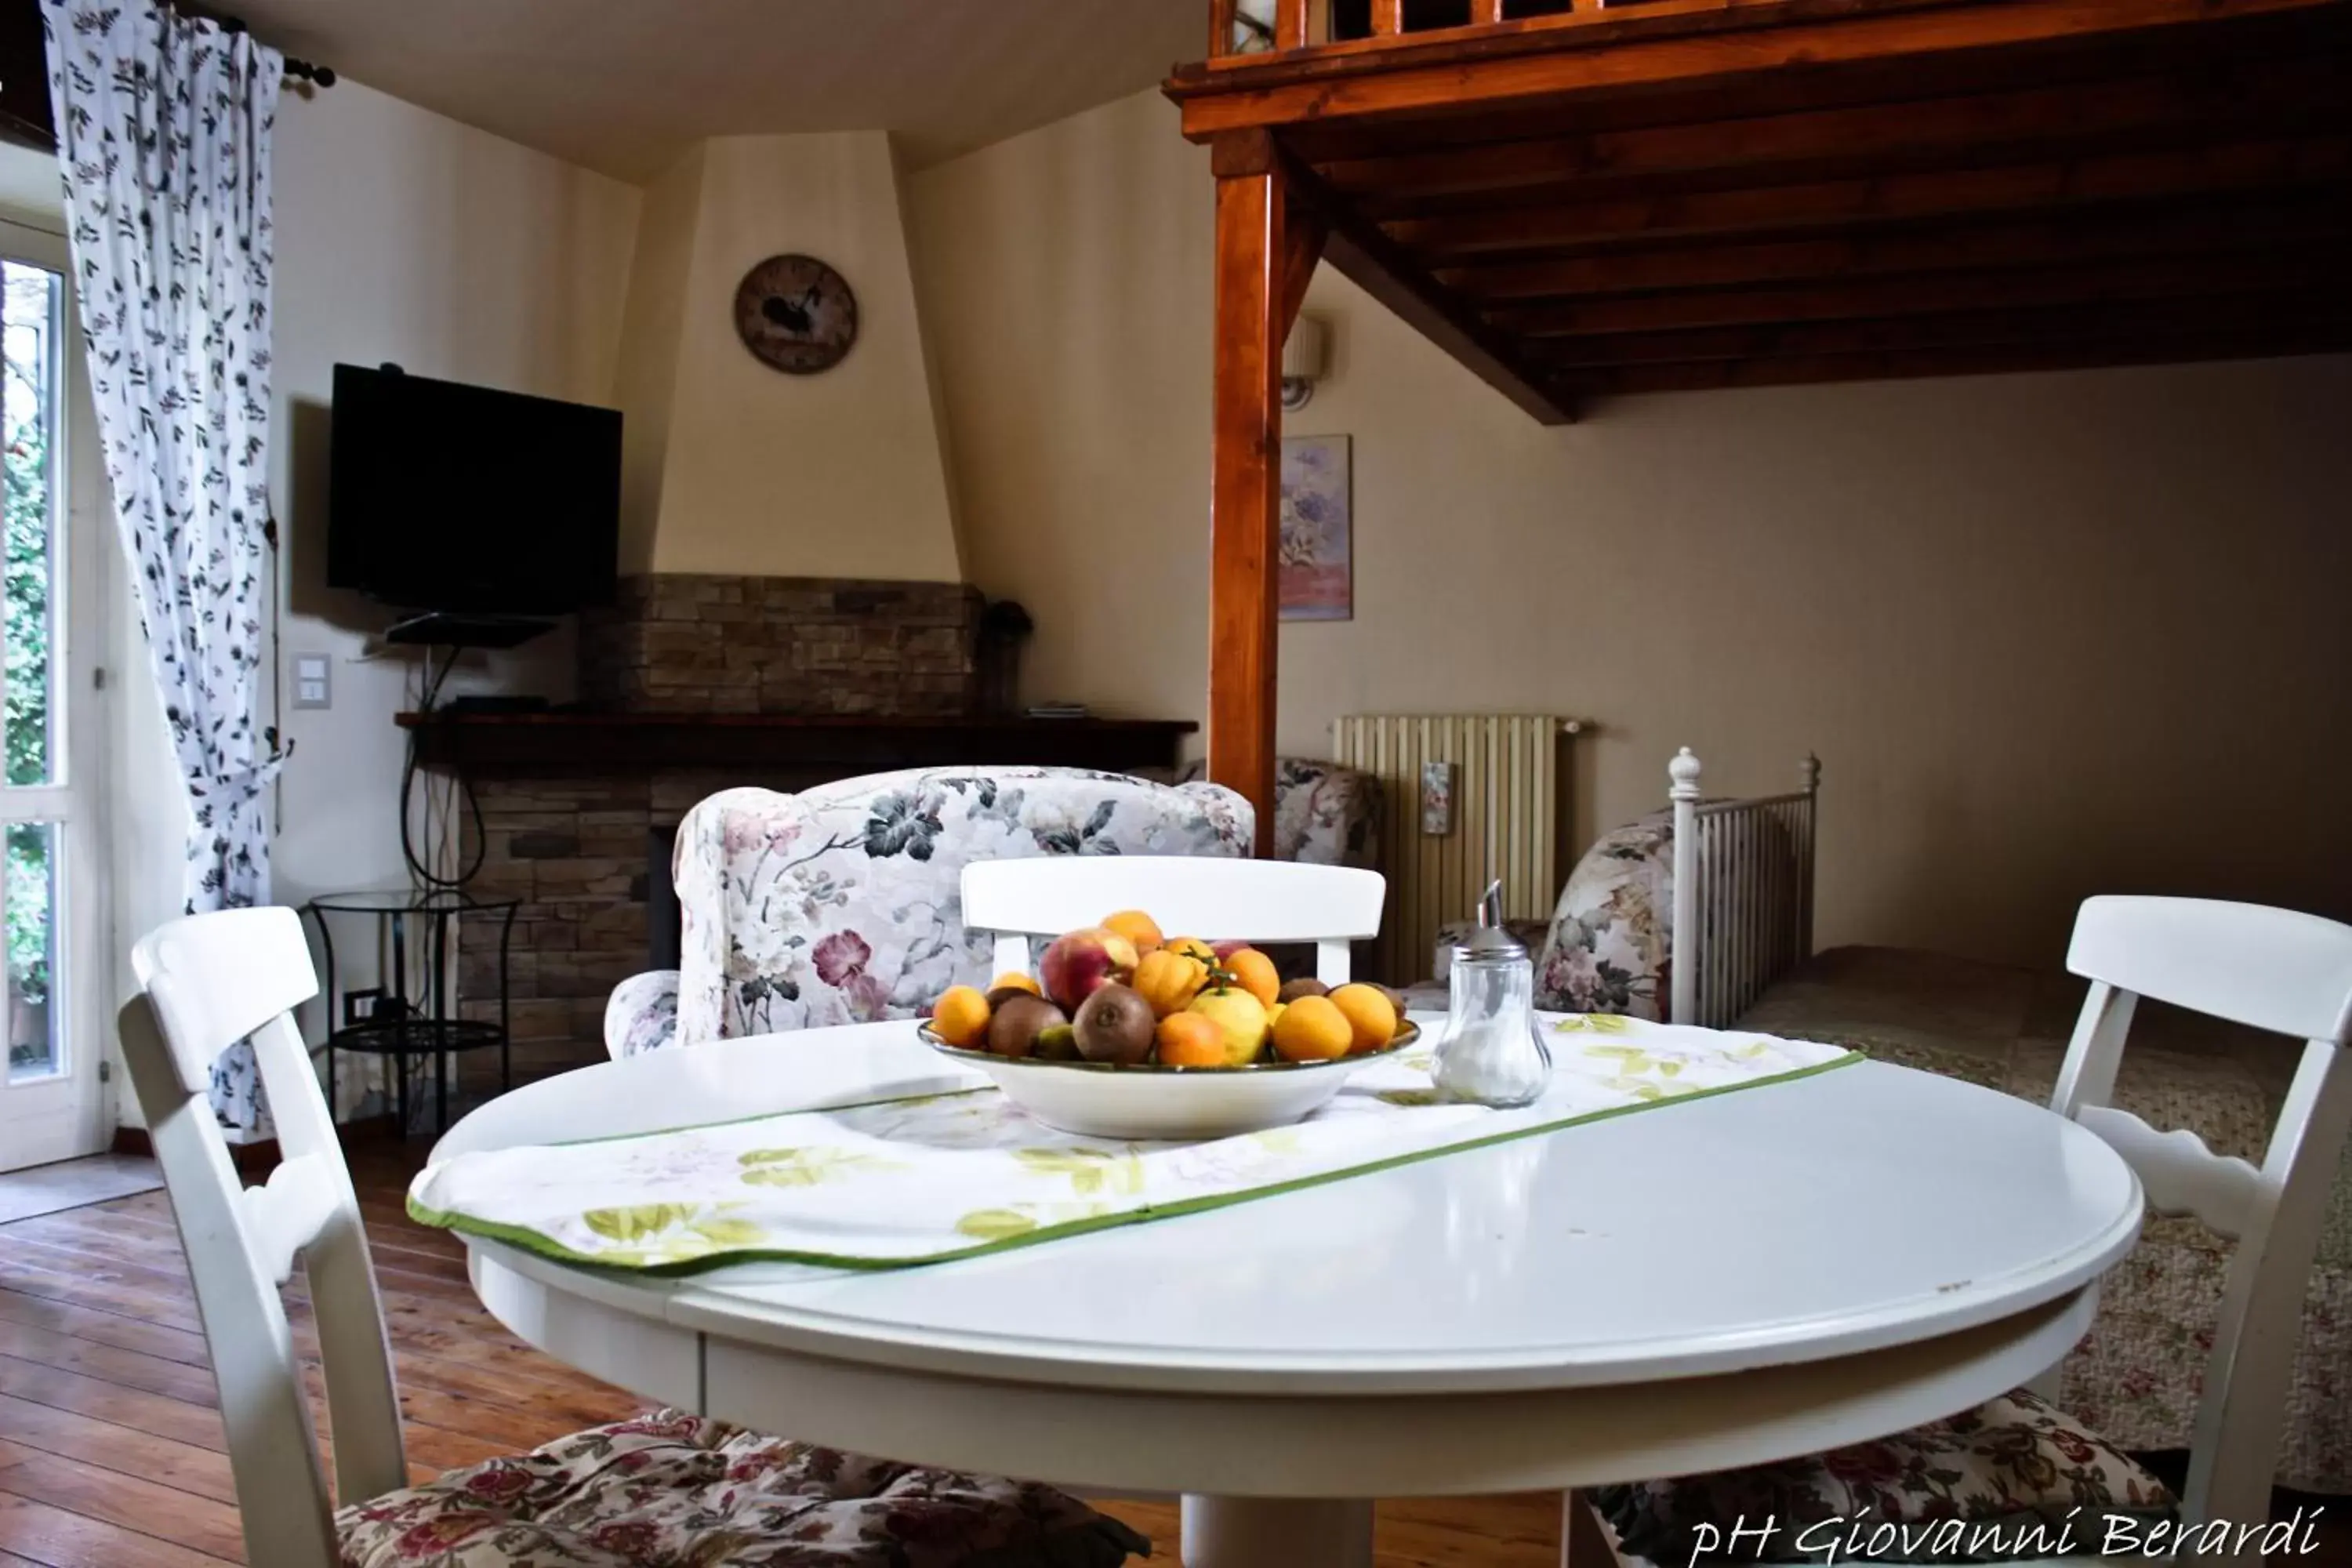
column 1318, row 574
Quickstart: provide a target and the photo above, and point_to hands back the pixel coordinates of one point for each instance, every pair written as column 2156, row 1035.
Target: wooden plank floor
column 111, row 1453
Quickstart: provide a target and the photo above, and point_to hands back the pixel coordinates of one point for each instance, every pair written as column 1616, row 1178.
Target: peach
column 1080, row 963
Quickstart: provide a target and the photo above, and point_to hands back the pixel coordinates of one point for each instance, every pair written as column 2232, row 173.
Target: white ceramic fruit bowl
column 1098, row 1099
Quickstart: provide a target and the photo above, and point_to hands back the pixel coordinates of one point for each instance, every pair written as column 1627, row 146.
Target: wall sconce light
column 1302, row 363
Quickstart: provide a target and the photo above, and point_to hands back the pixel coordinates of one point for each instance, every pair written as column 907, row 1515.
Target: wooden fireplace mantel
column 635, row 743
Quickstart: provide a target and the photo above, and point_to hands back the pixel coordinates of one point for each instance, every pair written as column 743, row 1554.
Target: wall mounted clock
column 796, row 314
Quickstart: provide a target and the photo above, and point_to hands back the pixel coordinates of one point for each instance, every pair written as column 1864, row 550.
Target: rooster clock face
column 796, row 314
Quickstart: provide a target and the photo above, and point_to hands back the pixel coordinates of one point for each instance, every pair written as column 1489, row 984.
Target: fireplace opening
column 663, row 941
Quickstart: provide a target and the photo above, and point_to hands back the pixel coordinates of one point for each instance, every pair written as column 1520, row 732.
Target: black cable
column 422, row 873
column 411, row 1070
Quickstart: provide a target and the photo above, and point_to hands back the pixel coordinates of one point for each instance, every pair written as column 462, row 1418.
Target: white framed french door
column 54, row 531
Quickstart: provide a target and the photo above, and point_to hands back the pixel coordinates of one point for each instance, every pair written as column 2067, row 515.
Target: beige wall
column 2051, row 634
column 652, row 327
column 833, row 475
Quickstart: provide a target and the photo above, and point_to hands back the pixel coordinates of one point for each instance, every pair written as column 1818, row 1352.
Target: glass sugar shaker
column 1490, row 1053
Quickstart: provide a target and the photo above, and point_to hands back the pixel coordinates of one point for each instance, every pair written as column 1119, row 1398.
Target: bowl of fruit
column 1123, row 1034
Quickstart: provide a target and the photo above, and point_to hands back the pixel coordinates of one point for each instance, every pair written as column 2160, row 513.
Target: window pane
column 29, row 346
column 29, row 891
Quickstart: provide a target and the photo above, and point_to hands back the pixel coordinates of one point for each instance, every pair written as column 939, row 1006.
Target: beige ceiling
column 624, row 86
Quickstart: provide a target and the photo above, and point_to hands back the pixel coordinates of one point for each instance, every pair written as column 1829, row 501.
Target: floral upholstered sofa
column 842, row 904
column 2134, row 1379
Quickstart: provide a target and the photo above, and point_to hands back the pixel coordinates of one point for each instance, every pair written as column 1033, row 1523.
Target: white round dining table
column 1716, row 1283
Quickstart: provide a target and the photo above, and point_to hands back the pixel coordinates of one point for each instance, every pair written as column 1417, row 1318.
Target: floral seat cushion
column 671, row 1488
column 1974, row 1486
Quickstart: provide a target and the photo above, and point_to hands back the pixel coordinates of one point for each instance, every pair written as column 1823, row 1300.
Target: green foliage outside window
column 25, row 619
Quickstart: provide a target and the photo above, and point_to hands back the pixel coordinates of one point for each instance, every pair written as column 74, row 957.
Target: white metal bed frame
column 1743, row 897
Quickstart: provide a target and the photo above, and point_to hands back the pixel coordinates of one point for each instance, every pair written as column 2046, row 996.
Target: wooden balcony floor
column 1699, row 194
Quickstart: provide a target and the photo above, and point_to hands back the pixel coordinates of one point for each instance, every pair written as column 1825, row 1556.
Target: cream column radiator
column 1507, row 820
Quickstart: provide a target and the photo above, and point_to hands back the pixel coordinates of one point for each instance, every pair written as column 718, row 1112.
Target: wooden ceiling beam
column 1717, row 44
column 2274, row 313
column 2270, row 163
column 1999, row 127
column 1376, row 264
column 2332, row 337
column 2323, row 220
column 1932, row 293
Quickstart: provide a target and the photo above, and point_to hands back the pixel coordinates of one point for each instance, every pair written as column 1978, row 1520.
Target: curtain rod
column 296, row 70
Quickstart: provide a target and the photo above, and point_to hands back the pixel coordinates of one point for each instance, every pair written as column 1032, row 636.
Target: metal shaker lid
column 1488, row 942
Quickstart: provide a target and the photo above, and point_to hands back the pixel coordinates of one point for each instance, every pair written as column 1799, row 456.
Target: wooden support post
column 1388, row 18
column 1264, row 255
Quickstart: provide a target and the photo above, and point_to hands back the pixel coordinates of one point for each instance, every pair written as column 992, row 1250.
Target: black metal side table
column 404, row 1026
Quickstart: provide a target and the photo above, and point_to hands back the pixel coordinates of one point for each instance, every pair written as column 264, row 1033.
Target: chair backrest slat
column 207, row 982
column 1205, row 895
column 2178, row 1173
column 2274, row 970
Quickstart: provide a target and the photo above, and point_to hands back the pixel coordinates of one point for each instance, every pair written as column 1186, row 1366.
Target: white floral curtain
column 163, row 131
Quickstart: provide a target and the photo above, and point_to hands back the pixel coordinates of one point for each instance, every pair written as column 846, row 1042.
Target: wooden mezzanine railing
column 1253, row 32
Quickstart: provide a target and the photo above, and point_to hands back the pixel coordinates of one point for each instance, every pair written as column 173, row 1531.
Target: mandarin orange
column 1370, row 1015
column 1190, row 1040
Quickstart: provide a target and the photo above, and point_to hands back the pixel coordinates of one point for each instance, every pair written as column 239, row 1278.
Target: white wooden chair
column 211, row 980
column 1214, row 898
column 2273, row 970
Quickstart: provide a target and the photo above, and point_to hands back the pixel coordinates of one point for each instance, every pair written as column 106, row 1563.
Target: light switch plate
column 313, row 680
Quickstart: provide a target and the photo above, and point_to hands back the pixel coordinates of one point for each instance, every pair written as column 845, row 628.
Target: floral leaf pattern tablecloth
column 932, row 1177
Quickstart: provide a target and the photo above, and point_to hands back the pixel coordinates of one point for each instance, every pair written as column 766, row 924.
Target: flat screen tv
column 443, row 497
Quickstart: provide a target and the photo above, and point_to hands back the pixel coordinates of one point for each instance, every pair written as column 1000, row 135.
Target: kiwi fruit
column 1114, row 1024
column 1012, row 1031
column 1004, row 993
column 1307, row 985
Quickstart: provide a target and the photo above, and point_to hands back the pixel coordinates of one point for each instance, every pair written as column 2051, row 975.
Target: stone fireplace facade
column 677, row 643
column 573, row 844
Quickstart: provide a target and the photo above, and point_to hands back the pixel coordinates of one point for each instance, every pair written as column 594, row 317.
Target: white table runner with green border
column 939, row 1176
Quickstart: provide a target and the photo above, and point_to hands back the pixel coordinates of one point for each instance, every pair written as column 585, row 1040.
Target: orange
column 1169, row 981
column 1254, row 973
column 1313, row 1029
column 1370, row 1014
column 961, row 1016
column 1137, row 926
column 1017, row 981
column 1191, row 947
column 1190, row 1040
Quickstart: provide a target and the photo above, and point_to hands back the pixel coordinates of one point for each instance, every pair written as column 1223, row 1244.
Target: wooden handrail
column 1486, row 22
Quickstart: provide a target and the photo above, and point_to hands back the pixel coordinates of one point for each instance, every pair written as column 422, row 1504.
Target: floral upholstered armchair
column 841, row 904
column 1324, row 814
